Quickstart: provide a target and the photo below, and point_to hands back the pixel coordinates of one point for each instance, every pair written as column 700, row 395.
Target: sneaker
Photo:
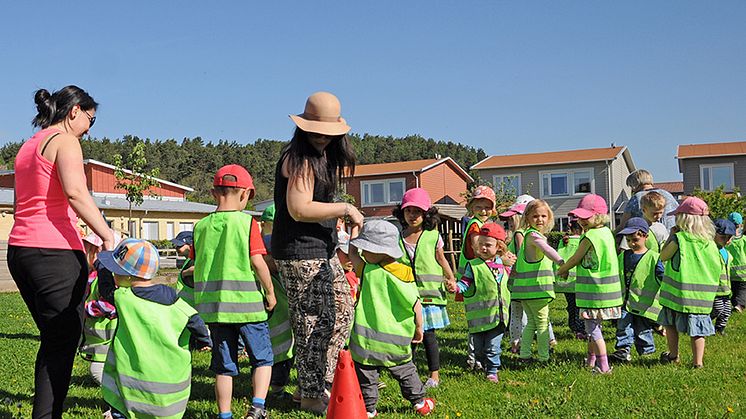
column 597, row 371
column 495, row 378
column 381, row 385
column 107, row 414
column 372, row 414
column 428, row 405
column 738, row 308
column 666, row 358
column 430, row 383
column 256, row 412
column 282, row 396
column 314, row 405
column 720, row 331
column 515, row 347
column 620, row 356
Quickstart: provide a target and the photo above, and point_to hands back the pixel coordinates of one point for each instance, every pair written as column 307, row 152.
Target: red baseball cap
column 243, row 178
column 494, row 230
column 589, row 206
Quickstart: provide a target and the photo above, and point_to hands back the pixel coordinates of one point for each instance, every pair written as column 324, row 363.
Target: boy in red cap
column 229, row 276
column 484, row 286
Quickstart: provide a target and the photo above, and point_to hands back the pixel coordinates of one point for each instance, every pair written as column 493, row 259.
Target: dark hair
column 337, row 161
column 53, row 108
column 227, row 190
column 430, row 219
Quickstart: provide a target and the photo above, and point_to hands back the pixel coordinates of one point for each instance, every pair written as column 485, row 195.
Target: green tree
column 722, row 203
column 136, row 180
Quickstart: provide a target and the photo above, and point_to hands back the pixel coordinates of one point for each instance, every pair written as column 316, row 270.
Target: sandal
column 666, row 358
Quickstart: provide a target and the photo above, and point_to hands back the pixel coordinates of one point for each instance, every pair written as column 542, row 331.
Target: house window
column 186, row 227
column 566, row 182
column 384, row 192
column 510, row 184
column 713, row 176
column 150, row 230
column 170, row 230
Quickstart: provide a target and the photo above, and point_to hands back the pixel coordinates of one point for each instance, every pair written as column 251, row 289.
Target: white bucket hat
column 379, row 236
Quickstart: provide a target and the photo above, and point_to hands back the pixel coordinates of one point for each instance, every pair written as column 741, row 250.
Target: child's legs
column 625, row 334
column 97, row 371
column 432, row 352
column 281, row 374
column 478, row 340
column 550, row 329
column 573, row 320
column 517, row 321
column 698, row 350
column 672, row 341
column 260, row 353
column 471, row 357
column 527, row 339
column 643, row 332
column 597, row 345
column 224, row 362
column 409, row 382
column 492, row 350
column 538, row 322
column 368, row 377
column 721, row 311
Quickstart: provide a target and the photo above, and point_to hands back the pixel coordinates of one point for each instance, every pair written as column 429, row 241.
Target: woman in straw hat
column 304, row 240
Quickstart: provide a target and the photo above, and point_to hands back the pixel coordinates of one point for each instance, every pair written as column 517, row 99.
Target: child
column 388, row 317
column 690, row 281
column 185, row 281
column 149, row 367
column 721, row 307
column 737, row 249
column 653, row 205
column 643, row 272
column 598, row 290
column 532, row 279
column 567, row 247
column 486, row 296
column 513, row 217
column 423, row 252
column 229, row 276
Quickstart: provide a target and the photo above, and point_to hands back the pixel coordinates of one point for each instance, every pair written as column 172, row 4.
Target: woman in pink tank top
column 45, row 250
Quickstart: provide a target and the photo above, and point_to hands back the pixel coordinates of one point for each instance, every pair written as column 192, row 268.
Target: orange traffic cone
column 346, row 400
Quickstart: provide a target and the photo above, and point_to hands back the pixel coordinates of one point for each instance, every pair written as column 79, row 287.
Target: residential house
column 562, row 178
column 675, row 188
column 708, row 166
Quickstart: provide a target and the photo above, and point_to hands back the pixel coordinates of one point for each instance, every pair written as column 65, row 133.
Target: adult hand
column 108, row 243
column 356, row 218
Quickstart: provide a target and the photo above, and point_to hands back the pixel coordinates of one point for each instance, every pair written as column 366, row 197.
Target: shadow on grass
column 85, row 381
column 19, row 336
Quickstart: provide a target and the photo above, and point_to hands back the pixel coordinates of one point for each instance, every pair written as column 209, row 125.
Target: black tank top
column 294, row 240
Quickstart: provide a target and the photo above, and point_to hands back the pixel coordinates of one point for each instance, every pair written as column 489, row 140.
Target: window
column 150, row 230
column 507, row 183
column 186, row 227
column 170, row 230
column 566, row 182
column 713, row 176
column 385, row 192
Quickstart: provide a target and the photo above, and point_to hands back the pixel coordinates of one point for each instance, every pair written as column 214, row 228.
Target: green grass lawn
column 562, row 389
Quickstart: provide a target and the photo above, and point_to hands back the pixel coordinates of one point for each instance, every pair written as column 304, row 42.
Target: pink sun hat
column 416, row 197
column 692, row 206
column 518, row 207
column 589, row 206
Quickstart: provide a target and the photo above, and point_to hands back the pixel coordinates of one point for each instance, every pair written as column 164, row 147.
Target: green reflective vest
column 280, row 330
column 737, row 249
column 652, row 243
column 428, row 274
column 531, row 280
column 511, row 245
column 566, row 250
column 148, row 372
column 384, row 322
column 642, row 295
column 488, row 305
column 599, row 286
column 462, row 260
column 183, row 290
column 97, row 331
column 692, row 288
column 725, row 268
column 225, row 289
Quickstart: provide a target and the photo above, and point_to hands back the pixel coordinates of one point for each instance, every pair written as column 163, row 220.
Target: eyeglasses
column 91, row 119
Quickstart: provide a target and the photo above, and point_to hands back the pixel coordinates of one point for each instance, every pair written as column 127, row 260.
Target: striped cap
column 133, row 257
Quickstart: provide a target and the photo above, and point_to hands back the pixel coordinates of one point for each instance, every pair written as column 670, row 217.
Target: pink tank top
column 43, row 217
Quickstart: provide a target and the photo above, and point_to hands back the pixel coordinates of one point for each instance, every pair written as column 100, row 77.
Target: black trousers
column 432, row 352
column 52, row 283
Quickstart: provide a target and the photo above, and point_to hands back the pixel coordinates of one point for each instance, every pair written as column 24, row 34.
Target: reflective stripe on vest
column 692, row 288
column 384, row 319
column 601, row 286
column 737, row 249
column 642, row 296
column 462, row 260
column 428, row 274
column 280, row 330
column 487, row 307
column 97, row 331
column 531, row 280
column 566, row 250
column 225, row 287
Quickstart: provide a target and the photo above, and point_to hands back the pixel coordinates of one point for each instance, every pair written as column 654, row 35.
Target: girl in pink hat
column 423, row 251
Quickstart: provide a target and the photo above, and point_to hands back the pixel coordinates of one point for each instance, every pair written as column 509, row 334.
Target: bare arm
column 418, row 322
column 262, row 272
column 669, row 250
column 440, row 256
column 583, row 248
column 69, row 162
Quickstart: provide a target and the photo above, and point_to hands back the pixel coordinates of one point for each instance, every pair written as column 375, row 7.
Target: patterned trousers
column 321, row 312
column 721, row 309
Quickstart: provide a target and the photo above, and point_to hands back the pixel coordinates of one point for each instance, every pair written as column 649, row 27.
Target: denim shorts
column 225, row 346
column 694, row 325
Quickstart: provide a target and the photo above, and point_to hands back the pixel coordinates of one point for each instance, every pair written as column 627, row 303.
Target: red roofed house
column 675, row 188
column 707, row 166
column 562, row 178
column 377, row 188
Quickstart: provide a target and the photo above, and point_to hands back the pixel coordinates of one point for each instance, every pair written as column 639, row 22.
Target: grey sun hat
column 379, row 236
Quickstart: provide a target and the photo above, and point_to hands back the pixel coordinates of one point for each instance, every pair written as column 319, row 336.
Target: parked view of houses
column 708, row 166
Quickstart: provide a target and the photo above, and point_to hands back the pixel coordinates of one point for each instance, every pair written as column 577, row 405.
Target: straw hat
column 322, row 115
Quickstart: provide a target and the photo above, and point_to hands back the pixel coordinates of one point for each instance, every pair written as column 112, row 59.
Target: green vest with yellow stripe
column 725, row 268
column 488, row 306
column 691, row 289
column 97, row 331
column 184, row 291
column 280, row 330
column 599, row 286
column 462, row 260
column 737, row 249
column 225, row 288
column 642, row 295
column 566, row 250
column 148, row 372
column 428, row 274
column 384, row 323
column 531, row 280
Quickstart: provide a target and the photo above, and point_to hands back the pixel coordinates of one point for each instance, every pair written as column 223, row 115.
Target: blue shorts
column 225, row 346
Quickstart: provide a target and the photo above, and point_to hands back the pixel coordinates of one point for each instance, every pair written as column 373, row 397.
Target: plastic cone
column 346, row 400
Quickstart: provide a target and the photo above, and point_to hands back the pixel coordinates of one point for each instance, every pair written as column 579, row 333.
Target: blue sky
column 510, row 77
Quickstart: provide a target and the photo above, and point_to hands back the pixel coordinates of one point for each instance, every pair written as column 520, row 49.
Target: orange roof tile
column 550, row 157
column 673, row 187
column 688, row 151
column 396, row 167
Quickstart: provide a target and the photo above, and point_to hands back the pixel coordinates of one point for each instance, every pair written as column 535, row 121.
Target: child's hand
column 451, row 286
column 509, row 259
column 418, row 335
column 271, row 301
column 562, row 272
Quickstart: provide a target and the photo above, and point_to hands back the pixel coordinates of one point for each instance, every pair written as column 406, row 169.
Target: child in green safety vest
column 185, row 281
column 721, row 307
column 642, row 272
column 737, row 249
column 423, row 252
column 148, row 371
column 566, row 248
column 486, row 296
column 233, row 289
column 388, row 316
column 653, row 205
column 598, row 288
column 691, row 280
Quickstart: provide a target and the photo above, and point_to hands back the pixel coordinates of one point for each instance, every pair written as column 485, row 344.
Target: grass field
column 643, row 388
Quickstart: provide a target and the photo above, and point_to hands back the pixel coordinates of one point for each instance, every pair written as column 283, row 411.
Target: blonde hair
column 598, row 220
column 532, row 207
column 700, row 226
column 638, row 178
column 653, row 200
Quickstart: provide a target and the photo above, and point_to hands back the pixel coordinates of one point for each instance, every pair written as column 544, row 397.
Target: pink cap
column 692, row 206
column 416, row 197
column 484, row 192
column 94, row 239
column 519, row 207
column 589, row 206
